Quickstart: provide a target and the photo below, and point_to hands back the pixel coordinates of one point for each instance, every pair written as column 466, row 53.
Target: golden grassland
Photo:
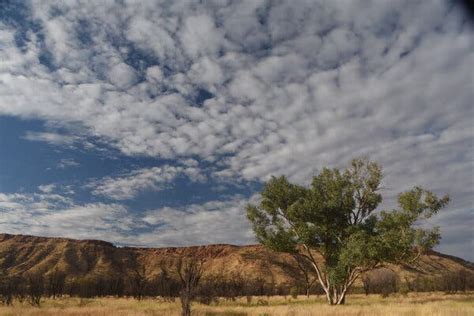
column 414, row 304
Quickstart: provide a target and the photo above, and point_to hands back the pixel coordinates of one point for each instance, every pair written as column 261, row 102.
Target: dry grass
column 412, row 305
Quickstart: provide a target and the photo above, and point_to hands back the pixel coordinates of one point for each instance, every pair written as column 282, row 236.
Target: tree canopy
column 336, row 218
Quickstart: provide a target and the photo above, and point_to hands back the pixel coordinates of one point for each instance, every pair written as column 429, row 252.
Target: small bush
column 404, row 289
column 294, row 292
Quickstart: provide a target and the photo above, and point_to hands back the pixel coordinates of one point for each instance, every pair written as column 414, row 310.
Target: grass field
column 413, row 304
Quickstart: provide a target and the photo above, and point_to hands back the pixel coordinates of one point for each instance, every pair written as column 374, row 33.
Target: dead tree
column 116, row 285
column 189, row 271
column 139, row 282
column 382, row 281
column 8, row 289
column 34, row 288
column 167, row 286
column 305, row 267
column 55, row 283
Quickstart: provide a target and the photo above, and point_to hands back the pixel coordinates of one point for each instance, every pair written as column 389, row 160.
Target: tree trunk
column 185, row 304
column 335, row 295
column 342, row 298
column 328, row 296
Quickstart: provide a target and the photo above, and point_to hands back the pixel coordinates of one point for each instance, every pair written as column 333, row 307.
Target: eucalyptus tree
column 335, row 218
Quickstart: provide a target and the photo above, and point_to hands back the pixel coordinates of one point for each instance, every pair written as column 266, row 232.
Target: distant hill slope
column 77, row 258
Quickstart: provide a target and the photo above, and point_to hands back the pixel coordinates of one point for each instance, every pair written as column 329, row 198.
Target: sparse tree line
column 183, row 281
column 191, row 286
column 386, row 282
column 33, row 287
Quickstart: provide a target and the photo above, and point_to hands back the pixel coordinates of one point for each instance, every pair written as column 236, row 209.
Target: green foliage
column 335, row 216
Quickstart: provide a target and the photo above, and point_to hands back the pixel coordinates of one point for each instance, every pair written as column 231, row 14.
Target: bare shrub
column 8, row 289
column 55, row 283
column 380, row 281
column 138, row 282
column 189, row 271
column 34, row 288
column 456, row 281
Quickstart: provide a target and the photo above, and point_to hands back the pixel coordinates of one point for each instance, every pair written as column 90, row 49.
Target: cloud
column 293, row 87
column 50, row 138
column 195, row 36
column 268, row 103
column 47, row 188
column 131, row 184
column 122, row 75
column 57, row 139
column 196, row 224
column 37, row 201
column 67, row 163
column 48, row 214
column 53, row 215
column 456, row 231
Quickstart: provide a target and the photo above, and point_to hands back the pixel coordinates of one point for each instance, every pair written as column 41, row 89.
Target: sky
column 154, row 123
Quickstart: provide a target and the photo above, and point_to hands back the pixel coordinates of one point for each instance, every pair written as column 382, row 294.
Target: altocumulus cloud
column 54, row 215
column 256, row 88
column 196, row 224
column 129, row 185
